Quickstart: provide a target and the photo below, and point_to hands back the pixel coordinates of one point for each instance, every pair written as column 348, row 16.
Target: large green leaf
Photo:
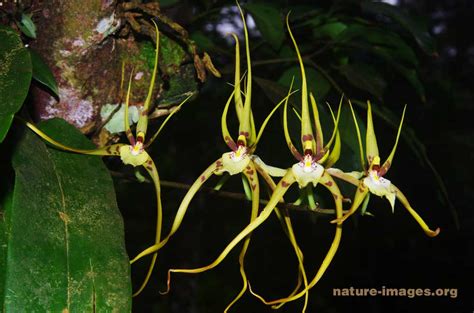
column 365, row 77
column 65, row 237
column 317, row 83
column 42, row 73
column 15, row 76
column 420, row 33
column 269, row 23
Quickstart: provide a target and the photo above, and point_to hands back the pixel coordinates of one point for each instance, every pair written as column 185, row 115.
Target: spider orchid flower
column 240, row 160
column 372, row 180
column 134, row 152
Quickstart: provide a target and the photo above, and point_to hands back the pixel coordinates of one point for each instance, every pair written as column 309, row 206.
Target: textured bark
column 73, row 37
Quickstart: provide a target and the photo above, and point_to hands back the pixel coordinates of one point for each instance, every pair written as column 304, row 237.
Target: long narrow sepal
column 153, row 172
column 285, row 220
column 386, row 165
column 290, row 144
column 281, row 189
column 239, row 106
column 143, row 120
column 372, row 149
column 307, row 138
column 252, row 178
column 329, row 183
column 359, row 138
column 245, row 126
column 166, row 120
column 126, row 122
column 318, row 129
column 401, row 197
column 332, row 155
column 105, row 151
column 335, row 121
column 360, row 195
column 183, row 207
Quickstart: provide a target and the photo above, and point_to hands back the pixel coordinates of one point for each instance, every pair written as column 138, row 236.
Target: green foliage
column 42, row 73
column 64, row 233
column 269, row 23
column 15, row 76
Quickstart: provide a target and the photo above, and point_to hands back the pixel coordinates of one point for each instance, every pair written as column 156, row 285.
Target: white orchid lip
column 307, row 171
column 380, row 186
column 235, row 162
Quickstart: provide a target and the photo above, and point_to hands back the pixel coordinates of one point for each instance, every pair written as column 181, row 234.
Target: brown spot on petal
column 361, row 189
column 328, row 183
column 253, row 186
column 284, row 183
column 203, row 178
column 144, row 113
column 307, row 137
column 246, row 134
column 219, row 163
column 335, row 196
column 230, row 143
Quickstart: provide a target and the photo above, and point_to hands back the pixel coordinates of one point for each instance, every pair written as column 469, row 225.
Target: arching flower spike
column 372, row 180
column 240, row 160
column 133, row 153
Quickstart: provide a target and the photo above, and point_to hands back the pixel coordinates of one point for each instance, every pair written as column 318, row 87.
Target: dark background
column 385, row 250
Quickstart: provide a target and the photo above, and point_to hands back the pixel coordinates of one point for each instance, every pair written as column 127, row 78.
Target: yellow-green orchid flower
column 241, row 159
column 372, row 180
column 133, row 153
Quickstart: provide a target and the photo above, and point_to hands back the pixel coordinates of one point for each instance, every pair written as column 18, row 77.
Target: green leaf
column 65, row 236
column 317, row 83
column 42, row 73
column 331, row 30
column 365, row 77
column 420, row 33
column 27, row 26
column 15, row 76
column 379, row 39
column 269, row 23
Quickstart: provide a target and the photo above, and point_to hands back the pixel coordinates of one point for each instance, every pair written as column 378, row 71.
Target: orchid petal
column 143, row 120
column 307, row 137
column 153, row 172
column 350, row 177
column 183, row 207
column 335, row 152
column 128, row 131
column 225, row 131
column 252, row 180
column 105, row 151
column 335, row 121
column 359, row 138
column 292, row 148
column 401, row 197
column 268, row 169
column 388, row 162
column 360, row 195
column 167, row 119
column 329, row 183
column 370, row 140
column 281, row 189
column 317, row 125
